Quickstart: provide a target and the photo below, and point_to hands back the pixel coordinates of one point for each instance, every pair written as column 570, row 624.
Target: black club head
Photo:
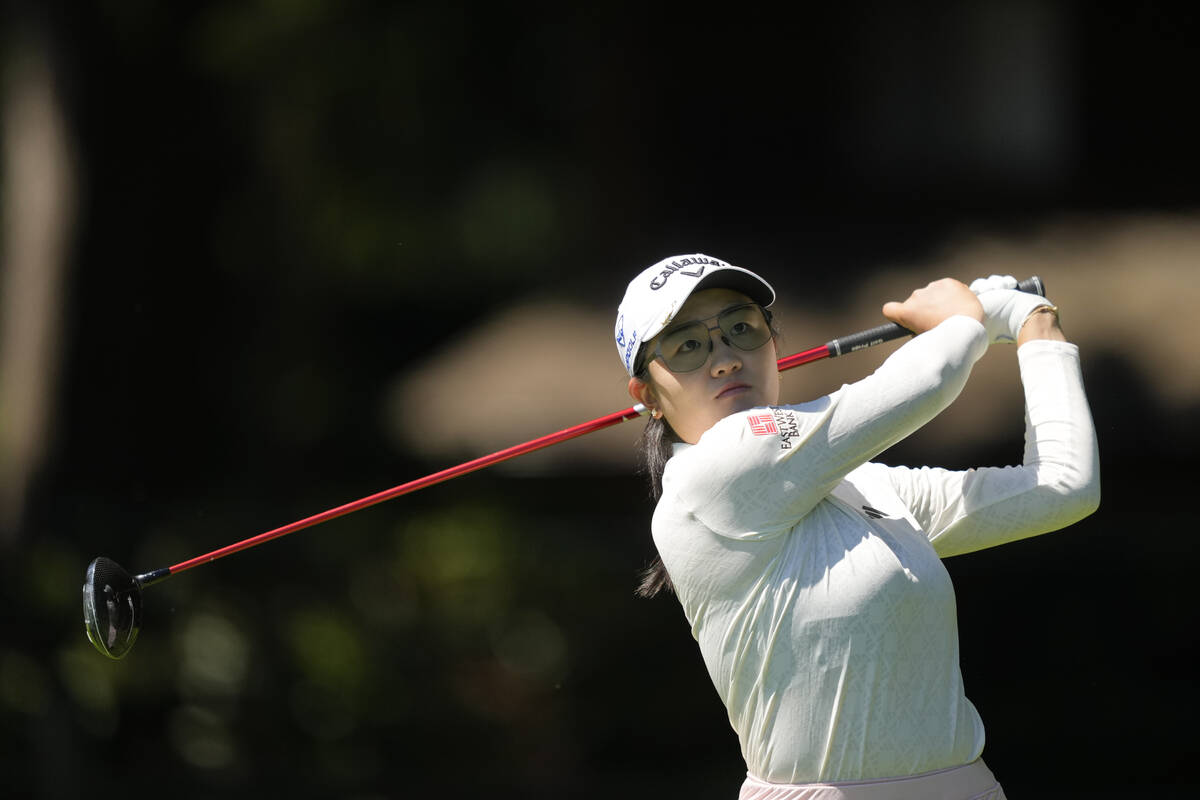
column 112, row 607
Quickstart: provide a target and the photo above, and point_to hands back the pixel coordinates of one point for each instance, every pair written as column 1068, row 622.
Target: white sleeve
column 756, row 473
column 1057, row 484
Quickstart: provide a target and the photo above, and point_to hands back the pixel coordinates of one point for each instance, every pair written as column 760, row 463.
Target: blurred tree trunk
column 37, row 204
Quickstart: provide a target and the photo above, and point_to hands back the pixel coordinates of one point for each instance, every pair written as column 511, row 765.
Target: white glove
column 1005, row 308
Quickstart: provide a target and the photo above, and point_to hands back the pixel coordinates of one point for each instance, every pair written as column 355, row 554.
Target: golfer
column 811, row 576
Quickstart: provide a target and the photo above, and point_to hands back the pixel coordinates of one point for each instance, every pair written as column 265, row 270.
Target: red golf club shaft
column 412, row 486
column 597, row 424
column 845, row 344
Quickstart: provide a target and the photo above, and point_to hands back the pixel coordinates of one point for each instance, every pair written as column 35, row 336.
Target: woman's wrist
column 1042, row 323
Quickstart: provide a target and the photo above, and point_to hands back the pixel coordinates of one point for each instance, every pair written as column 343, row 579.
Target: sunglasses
column 685, row 348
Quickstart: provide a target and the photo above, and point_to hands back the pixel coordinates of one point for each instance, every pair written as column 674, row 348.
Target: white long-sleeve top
column 812, row 577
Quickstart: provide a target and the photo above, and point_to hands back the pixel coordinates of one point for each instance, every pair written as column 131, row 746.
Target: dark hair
column 654, row 448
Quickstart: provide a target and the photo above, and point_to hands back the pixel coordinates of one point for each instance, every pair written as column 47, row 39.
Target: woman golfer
column 810, row 575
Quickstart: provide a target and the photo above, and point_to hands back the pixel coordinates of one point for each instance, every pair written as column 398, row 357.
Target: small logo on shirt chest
column 780, row 422
column 875, row 513
column 762, row 424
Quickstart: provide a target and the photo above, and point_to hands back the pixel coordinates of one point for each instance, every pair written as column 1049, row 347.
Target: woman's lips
column 732, row 389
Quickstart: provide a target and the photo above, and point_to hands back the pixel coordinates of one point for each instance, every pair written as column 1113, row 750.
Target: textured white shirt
column 812, row 578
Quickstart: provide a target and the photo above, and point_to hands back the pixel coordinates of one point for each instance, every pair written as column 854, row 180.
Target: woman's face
column 730, row 380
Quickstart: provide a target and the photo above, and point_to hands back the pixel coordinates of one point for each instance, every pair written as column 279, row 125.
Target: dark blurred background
column 263, row 258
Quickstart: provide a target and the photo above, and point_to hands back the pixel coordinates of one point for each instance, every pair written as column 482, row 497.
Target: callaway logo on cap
column 657, row 293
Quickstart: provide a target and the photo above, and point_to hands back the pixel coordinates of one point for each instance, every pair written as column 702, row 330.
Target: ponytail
column 654, row 446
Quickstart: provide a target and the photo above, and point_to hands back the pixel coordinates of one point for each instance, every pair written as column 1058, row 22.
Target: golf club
column 112, row 598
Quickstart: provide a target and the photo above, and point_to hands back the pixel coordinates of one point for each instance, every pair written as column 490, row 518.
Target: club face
column 112, row 607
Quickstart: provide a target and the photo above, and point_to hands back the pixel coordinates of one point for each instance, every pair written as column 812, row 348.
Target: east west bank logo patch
column 779, row 422
column 762, row 424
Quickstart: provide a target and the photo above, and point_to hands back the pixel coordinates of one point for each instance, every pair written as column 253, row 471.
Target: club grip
column 889, row 331
column 1032, row 285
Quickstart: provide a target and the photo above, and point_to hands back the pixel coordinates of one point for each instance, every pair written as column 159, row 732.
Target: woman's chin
column 740, row 401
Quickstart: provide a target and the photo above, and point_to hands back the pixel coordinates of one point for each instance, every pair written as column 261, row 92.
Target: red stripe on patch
column 762, row 424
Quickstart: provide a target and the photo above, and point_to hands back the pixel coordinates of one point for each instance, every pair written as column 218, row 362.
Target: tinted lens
column 685, row 348
column 746, row 326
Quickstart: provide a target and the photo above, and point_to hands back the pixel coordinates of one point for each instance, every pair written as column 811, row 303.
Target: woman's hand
column 927, row 308
column 1006, row 310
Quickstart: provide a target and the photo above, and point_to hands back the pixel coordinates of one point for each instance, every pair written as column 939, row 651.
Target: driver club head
column 112, row 607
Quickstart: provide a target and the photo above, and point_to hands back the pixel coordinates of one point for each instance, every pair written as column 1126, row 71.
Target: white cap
column 654, row 296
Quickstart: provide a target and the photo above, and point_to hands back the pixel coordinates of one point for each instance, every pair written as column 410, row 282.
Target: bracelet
column 1046, row 308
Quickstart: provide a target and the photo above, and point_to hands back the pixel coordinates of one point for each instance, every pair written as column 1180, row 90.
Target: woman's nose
column 724, row 357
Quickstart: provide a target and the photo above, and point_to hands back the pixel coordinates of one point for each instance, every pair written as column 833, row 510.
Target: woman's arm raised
column 1058, row 482
column 756, row 473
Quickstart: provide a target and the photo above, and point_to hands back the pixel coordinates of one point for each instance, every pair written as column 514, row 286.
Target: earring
column 656, row 413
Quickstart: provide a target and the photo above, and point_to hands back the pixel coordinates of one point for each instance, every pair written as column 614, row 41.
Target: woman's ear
column 640, row 391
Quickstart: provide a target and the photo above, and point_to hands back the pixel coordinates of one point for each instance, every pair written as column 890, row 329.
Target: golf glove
column 1005, row 308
